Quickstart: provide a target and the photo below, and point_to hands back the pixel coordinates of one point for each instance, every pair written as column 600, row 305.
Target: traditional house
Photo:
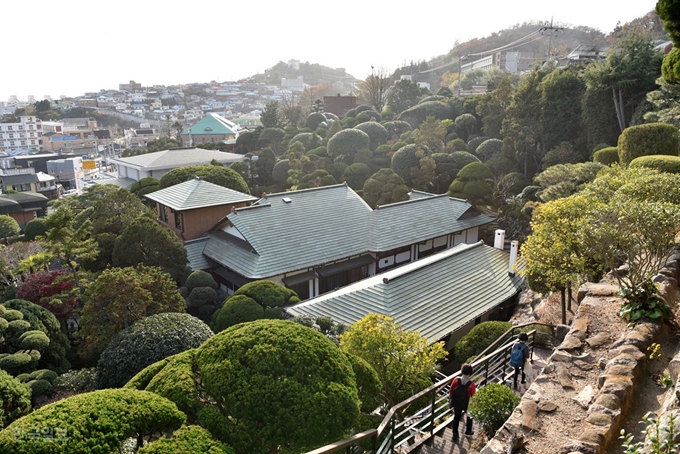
column 192, row 208
column 212, row 128
column 23, row 207
column 316, row 240
column 442, row 296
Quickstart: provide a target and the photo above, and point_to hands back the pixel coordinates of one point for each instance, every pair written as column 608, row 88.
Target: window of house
column 9, row 128
column 22, row 187
column 11, row 136
column 163, row 213
column 179, row 224
column 21, row 127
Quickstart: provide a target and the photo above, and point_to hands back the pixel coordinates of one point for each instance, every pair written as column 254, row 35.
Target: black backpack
column 460, row 397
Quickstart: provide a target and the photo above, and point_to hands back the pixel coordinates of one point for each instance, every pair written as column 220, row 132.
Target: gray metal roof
column 435, row 295
column 298, row 230
column 197, row 193
column 415, row 194
column 19, row 179
column 177, row 157
column 121, row 182
column 198, row 261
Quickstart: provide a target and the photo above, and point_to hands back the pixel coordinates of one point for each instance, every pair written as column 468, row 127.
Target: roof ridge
column 430, row 260
column 297, row 191
column 382, row 207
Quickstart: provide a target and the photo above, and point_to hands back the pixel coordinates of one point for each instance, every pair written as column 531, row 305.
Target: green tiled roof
column 198, row 261
column 298, row 230
column 212, row 124
column 197, row 193
column 435, row 295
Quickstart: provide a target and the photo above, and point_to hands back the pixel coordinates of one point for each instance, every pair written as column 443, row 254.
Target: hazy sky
column 73, row 46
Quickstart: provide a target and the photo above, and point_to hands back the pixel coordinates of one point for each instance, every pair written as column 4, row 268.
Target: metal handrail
column 390, row 429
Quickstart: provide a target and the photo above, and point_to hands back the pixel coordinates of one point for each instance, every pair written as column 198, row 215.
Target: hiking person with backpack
column 462, row 389
column 518, row 357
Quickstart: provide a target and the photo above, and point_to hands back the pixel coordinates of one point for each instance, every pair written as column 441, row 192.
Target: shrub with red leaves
column 47, row 288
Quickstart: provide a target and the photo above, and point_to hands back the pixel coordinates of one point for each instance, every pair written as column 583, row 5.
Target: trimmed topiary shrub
column 200, row 278
column 396, row 128
column 8, row 226
column 492, row 405
column 405, row 159
column 308, row 139
column 479, row 337
column 398, row 145
column 606, row 156
column 347, row 143
column 662, row 163
column 201, row 296
column 96, row 422
column 147, row 341
column 15, row 397
column 187, row 439
column 76, row 381
column 34, row 229
column 356, row 175
column 314, row 119
column 648, row 139
column 670, row 67
column 219, row 175
column 376, row 132
column 280, row 171
column 476, row 142
column 488, row 148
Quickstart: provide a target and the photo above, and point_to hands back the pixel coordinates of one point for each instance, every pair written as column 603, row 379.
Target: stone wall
column 605, row 381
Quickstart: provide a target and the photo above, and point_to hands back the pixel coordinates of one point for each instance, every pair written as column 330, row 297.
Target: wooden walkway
column 443, row 444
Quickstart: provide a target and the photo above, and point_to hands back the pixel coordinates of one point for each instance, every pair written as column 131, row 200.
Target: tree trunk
column 564, row 306
column 618, row 108
column 569, row 297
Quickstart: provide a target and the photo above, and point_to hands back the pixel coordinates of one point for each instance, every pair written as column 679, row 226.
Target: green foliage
column 76, row 381
column 235, row 310
column 492, row 405
column 658, row 437
column 563, row 180
column 563, row 153
column 356, row 175
column 403, row 95
column 145, row 186
column 643, row 302
column 34, row 229
column 662, row 163
column 276, row 382
column 648, row 139
column 200, row 296
column 404, row 360
column 187, row 439
column 96, row 422
column 397, row 145
column 456, row 145
column 488, row 148
column 670, row 68
column 146, row 342
column 384, row 187
column 8, row 226
column 440, row 110
column 121, row 296
column 270, row 116
column 222, row 176
column 280, row 171
column 308, row 139
column 396, row 128
column 148, row 243
column 466, row 125
column 377, row 133
column 347, row 143
column 200, row 278
column 404, row 161
column 369, row 384
column 479, row 337
column 15, row 397
column 606, row 156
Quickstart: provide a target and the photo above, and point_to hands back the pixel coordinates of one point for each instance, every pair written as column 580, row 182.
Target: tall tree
column 375, row 88
column 405, row 93
column 270, row 116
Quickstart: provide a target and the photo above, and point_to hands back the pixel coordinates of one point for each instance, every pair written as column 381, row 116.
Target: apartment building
column 25, row 134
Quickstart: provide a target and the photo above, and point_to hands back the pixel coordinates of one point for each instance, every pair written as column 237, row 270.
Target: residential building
column 296, row 84
column 140, row 137
column 66, row 143
column 159, row 163
column 79, row 127
column 192, row 208
column 442, row 296
column 23, row 135
column 23, row 207
column 28, row 180
column 34, row 161
column 213, row 128
column 316, row 240
column 584, row 54
column 68, row 172
column 131, row 86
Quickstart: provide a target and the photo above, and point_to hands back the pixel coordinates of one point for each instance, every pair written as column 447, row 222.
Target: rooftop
column 197, row 193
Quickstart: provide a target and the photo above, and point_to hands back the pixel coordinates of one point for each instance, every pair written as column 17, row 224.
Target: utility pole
column 550, row 32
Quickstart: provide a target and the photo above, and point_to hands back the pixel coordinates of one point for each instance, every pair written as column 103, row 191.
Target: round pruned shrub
column 201, row 296
column 147, row 341
column 376, row 132
column 347, row 143
column 200, row 278
column 15, row 397
column 76, row 381
column 99, row 421
column 488, row 148
column 476, row 142
column 492, row 405
column 314, row 119
column 668, row 164
column 456, row 145
column 308, row 139
column 8, row 226
column 606, row 156
column 670, row 67
column 479, row 338
column 187, row 439
column 397, row 145
column 405, row 159
column 280, row 171
column 648, row 139
column 34, row 229
column 235, row 310
column 396, row 128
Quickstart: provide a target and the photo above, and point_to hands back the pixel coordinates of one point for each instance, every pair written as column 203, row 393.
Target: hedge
column 479, row 338
column 15, row 397
column 606, row 156
column 187, row 439
column 648, row 139
column 376, row 132
column 663, row 163
column 200, row 278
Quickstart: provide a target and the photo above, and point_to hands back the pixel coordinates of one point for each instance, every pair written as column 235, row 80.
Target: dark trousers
column 517, row 371
column 457, row 415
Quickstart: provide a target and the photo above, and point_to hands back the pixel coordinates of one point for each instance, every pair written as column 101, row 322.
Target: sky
column 75, row 46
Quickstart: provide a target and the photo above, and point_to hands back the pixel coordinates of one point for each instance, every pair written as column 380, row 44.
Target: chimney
column 514, row 246
column 499, row 239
